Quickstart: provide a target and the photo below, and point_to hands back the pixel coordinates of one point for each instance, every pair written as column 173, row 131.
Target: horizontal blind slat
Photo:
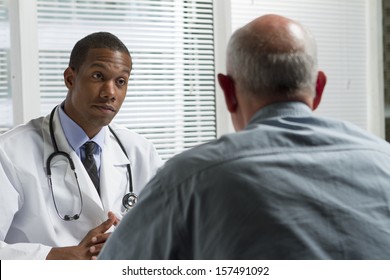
column 171, row 92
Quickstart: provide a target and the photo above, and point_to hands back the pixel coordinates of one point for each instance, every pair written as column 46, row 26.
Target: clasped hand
column 89, row 247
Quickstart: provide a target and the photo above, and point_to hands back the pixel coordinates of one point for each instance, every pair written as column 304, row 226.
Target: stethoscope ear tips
column 129, row 200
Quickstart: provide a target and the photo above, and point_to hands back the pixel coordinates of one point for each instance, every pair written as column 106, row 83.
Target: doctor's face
column 97, row 89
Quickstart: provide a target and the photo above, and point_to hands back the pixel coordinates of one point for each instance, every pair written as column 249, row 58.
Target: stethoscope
column 128, row 200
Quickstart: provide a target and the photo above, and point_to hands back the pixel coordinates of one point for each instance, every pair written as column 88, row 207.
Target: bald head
column 278, row 34
column 273, row 57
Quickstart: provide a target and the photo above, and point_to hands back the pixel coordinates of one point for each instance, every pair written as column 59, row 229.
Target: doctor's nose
column 108, row 90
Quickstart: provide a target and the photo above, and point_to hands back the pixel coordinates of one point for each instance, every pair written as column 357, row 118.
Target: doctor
column 49, row 212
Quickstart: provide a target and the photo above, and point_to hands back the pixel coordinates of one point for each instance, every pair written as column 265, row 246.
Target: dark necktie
column 90, row 164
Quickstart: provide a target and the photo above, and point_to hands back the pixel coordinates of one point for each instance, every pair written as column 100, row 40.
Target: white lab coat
column 29, row 224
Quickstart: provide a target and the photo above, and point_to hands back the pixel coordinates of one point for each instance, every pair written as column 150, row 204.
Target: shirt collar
column 280, row 110
column 75, row 134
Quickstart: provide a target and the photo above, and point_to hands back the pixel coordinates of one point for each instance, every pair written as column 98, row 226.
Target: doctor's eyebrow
column 100, row 65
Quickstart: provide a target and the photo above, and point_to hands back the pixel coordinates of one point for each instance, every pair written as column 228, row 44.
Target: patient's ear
column 320, row 86
column 229, row 91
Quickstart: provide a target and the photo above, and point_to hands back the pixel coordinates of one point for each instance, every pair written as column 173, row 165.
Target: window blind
column 171, row 92
column 5, row 91
column 339, row 27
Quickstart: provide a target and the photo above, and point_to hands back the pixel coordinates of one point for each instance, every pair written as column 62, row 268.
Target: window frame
column 25, row 69
column 27, row 96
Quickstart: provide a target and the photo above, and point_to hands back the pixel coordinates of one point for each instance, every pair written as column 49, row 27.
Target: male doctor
column 68, row 216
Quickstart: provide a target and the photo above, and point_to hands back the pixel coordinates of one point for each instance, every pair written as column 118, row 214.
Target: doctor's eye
column 121, row 82
column 97, row 76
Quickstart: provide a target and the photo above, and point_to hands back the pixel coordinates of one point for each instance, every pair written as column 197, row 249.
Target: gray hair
column 259, row 70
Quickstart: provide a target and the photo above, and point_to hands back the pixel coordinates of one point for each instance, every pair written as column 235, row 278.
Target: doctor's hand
column 89, row 247
column 100, row 235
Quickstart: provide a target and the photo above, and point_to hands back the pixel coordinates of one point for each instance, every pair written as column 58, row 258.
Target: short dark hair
column 96, row 40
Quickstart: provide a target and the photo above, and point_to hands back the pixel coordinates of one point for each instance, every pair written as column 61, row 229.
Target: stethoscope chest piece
column 129, row 200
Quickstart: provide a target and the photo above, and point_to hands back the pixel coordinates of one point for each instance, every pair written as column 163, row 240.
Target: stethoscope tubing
column 129, row 199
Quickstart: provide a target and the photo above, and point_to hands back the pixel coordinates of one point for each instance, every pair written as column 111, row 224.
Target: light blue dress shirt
column 77, row 137
column 289, row 186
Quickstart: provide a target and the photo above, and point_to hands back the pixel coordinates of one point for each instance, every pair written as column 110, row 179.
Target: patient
column 287, row 185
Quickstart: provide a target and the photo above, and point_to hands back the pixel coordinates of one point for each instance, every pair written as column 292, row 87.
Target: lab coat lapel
column 91, row 199
column 91, row 196
column 113, row 175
